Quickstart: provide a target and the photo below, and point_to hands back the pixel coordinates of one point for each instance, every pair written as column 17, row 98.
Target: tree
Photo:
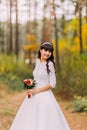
column 80, row 25
column 2, row 49
column 78, row 8
column 86, row 18
column 49, row 21
column 28, row 22
column 44, row 23
column 7, row 27
column 10, row 49
column 56, row 37
column 35, row 20
column 46, row 28
column 16, row 31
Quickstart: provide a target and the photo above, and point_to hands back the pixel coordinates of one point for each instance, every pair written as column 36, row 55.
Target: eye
column 47, row 50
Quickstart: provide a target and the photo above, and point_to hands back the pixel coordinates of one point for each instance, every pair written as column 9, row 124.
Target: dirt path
column 77, row 121
column 9, row 104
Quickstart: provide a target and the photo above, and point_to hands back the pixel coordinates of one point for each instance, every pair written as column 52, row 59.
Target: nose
column 48, row 51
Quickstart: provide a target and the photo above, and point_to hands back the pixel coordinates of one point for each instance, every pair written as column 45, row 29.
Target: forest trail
column 10, row 102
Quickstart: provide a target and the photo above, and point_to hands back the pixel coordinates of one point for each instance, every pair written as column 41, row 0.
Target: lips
column 46, row 55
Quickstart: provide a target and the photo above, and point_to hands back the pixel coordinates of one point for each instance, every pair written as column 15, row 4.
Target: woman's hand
column 31, row 91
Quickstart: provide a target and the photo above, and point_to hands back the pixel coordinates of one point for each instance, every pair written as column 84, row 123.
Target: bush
column 80, row 104
column 12, row 72
column 72, row 79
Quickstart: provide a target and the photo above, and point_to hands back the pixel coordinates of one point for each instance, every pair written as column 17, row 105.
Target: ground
column 10, row 102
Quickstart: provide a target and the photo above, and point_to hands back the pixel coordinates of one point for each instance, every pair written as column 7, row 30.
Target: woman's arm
column 39, row 90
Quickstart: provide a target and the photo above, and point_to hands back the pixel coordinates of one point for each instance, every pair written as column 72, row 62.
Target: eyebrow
column 47, row 49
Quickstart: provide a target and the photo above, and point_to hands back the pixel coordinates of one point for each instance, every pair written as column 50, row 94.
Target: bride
column 41, row 111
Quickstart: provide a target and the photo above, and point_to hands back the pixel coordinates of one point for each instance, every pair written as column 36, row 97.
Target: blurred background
column 24, row 24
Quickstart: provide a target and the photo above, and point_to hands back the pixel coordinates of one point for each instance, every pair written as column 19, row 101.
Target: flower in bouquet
column 29, row 84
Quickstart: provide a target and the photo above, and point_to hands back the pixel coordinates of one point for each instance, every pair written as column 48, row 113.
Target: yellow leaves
column 30, row 38
column 6, row 63
column 84, row 32
column 53, row 41
column 2, row 69
column 74, row 48
column 76, row 40
column 32, row 43
column 78, row 97
column 32, row 46
column 71, row 26
column 63, row 44
column 75, row 23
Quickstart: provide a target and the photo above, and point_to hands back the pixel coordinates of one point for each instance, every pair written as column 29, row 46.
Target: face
column 45, row 54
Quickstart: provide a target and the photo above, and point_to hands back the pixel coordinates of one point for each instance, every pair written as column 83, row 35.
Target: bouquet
column 29, row 84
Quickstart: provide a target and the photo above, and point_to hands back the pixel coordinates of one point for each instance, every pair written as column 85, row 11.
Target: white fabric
column 41, row 112
column 41, row 76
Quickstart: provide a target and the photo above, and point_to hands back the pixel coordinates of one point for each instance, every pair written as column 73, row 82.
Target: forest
column 24, row 24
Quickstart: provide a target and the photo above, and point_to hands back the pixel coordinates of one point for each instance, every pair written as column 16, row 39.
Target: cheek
column 43, row 53
column 49, row 54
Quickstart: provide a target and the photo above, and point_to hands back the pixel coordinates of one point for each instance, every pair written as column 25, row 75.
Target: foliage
column 32, row 45
column 80, row 104
column 72, row 79
column 73, row 74
column 30, row 38
column 12, row 72
column 71, row 39
column 30, row 48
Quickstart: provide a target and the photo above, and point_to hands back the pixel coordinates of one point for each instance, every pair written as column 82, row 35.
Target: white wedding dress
column 41, row 112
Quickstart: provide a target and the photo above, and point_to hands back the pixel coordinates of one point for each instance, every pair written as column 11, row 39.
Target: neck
column 42, row 60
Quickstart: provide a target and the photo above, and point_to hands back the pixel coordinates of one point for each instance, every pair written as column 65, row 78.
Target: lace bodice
column 41, row 76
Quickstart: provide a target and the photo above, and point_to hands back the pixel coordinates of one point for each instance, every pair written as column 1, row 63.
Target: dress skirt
column 40, row 112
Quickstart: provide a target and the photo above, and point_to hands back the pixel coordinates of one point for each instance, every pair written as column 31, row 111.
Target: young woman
column 41, row 111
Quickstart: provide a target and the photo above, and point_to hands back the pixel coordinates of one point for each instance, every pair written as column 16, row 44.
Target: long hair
column 46, row 46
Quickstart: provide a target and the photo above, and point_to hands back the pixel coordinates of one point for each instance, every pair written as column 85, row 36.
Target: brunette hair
column 47, row 46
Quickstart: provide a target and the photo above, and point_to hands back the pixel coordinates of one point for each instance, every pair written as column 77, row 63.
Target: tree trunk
column 80, row 26
column 28, row 22
column 16, row 32
column 86, row 19
column 56, row 39
column 8, row 34
column 44, row 23
column 35, row 21
column 11, row 43
column 49, row 23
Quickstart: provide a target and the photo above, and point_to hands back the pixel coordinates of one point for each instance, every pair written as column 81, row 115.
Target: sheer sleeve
column 52, row 75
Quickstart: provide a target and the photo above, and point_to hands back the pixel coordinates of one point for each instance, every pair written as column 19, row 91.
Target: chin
column 46, row 58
